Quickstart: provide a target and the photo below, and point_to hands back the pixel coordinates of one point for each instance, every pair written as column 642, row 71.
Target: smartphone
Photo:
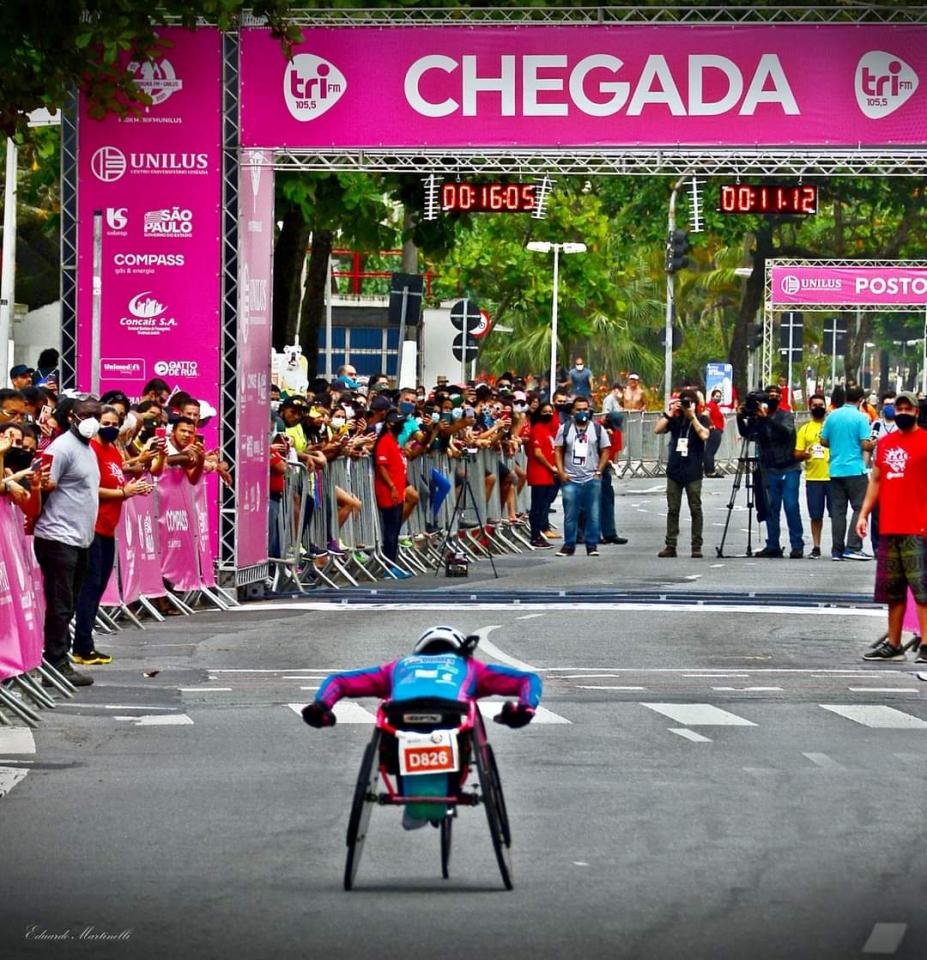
column 161, row 433
column 16, row 441
column 46, row 458
column 200, row 438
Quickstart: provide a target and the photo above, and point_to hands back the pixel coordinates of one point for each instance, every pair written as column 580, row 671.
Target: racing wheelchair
column 429, row 742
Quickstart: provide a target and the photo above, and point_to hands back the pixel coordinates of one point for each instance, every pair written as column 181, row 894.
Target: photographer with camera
column 689, row 431
column 761, row 420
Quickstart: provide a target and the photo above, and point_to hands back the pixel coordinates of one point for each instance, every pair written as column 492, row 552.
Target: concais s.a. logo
column 311, row 86
column 884, row 83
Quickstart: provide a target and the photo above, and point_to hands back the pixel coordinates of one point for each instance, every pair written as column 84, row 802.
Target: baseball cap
column 296, row 402
column 634, row 376
column 380, row 403
column 906, row 395
column 21, row 370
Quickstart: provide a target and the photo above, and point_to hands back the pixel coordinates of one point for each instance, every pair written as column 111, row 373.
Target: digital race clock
column 488, row 197
column 768, row 198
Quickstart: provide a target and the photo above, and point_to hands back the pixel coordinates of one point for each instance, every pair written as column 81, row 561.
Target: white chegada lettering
column 413, row 78
column 656, row 68
column 532, row 84
column 655, row 86
column 503, row 84
column 698, row 106
column 769, row 68
column 617, row 88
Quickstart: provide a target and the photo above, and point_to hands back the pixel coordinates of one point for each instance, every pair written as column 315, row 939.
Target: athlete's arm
column 508, row 682
column 367, row 682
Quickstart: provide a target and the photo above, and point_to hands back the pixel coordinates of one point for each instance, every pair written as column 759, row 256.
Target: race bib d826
column 434, row 752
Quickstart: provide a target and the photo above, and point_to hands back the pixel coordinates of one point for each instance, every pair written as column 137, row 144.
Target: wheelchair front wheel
column 361, row 808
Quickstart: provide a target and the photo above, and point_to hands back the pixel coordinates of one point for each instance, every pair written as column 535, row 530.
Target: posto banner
column 156, row 178
column 848, row 286
column 572, row 86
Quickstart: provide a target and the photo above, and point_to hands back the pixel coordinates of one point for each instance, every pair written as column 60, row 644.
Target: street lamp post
column 542, row 246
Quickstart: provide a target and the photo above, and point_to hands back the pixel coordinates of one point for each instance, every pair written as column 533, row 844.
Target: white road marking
column 885, row 938
column 309, row 688
column 690, row 735
column 922, row 676
column 587, row 676
column 489, row 708
column 307, row 676
column 883, row 690
column 716, row 566
column 580, row 863
column 877, row 717
column 456, row 605
column 603, row 687
column 159, row 720
column 715, row 676
column 16, row 740
column 487, row 646
column 749, row 689
column 694, row 576
column 205, row 689
column 124, row 706
column 823, row 760
column 530, row 616
column 699, row 715
column 345, row 710
column 708, row 672
column 9, row 777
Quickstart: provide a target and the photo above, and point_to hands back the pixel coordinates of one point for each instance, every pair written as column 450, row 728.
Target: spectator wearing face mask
column 390, row 482
column 581, row 379
column 18, row 480
column 542, row 474
column 65, row 530
column 816, row 457
column 114, row 490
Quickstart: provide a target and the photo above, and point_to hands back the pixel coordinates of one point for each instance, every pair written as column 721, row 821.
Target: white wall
column 35, row 331
column 437, row 341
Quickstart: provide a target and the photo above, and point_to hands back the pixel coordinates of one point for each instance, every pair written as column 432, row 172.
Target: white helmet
column 440, row 639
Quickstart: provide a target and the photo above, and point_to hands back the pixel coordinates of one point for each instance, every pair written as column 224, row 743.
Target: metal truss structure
column 770, row 310
column 588, row 162
column 690, row 14
column 68, row 362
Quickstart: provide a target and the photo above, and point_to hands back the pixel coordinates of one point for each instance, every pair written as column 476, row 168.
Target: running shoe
column 815, row 553
column 885, row 651
column 400, row 574
column 856, row 555
column 565, row 552
column 921, row 654
column 91, row 659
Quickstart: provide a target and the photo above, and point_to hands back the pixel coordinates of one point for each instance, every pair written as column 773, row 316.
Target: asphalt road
column 707, row 782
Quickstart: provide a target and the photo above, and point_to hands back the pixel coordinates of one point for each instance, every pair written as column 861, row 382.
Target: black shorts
column 817, row 493
column 901, row 563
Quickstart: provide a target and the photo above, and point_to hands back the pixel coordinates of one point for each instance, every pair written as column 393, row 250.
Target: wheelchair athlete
column 440, row 666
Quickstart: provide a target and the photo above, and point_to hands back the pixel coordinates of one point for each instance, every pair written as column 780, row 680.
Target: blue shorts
column 817, row 493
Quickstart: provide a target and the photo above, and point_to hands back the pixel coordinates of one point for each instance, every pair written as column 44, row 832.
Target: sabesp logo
column 117, row 217
column 884, row 82
column 158, row 80
column 311, row 86
column 790, row 285
column 108, row 164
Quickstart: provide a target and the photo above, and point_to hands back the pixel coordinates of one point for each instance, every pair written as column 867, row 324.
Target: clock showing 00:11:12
column 769, row 198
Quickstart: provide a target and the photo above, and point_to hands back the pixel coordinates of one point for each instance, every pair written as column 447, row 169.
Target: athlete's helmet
column 440, row 639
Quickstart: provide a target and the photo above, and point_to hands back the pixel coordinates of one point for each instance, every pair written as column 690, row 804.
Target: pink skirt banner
column 562, row 86
column 10, row 654
column 138, row 553
column 895, row 285
column 21, row 615
column 178, row 530
column 205, row 554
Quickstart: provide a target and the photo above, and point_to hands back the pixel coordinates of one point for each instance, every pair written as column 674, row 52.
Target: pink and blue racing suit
column 443, row 675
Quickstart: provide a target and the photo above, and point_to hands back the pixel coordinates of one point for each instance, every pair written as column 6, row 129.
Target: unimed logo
column 884, row 82
column 311, row 86
column 118, row 368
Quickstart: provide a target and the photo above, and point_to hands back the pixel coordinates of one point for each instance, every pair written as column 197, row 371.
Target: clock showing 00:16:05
column 488, row 197
column 782, row 198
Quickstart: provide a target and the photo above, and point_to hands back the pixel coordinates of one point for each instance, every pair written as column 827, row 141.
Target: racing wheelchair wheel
column 361, row 808
column 446, row 825
column 491, row 788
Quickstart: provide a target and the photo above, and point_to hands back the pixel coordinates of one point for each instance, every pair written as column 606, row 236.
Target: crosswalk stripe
column 877, row 717
column 699, row 715
column 489, row 708
column 9, row 777
column 345, row 712
column 16, row 740
column 159, row 720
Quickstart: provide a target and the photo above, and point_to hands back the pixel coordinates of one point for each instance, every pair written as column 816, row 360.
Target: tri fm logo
column 884, row 83
column 312, row 86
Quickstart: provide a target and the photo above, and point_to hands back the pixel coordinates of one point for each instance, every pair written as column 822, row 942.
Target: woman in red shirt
column 542, row 473
column 113, row 490
column 389, row 485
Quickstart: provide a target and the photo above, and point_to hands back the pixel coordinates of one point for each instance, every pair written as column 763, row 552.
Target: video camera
column 755, row 399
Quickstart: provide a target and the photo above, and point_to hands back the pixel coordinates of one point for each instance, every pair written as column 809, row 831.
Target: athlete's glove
column 319, row 714
column 515, row 714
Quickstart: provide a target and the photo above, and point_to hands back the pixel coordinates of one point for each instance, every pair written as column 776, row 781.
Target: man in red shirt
column 542, row 473
column 716, row 415
column 389, row 484
column 114, row 489
column 898, row 483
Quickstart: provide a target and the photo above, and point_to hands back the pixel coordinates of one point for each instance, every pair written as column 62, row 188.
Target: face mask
column 546, row 417
column 418, row 421
column 274, row 405
column 562, row 407
column 405, row 408
column 456, row 413
column 131, row 422
column 108, row 434
column 519, row 408
column 579, row 366
column 582, row 416
column 435, row 417
column 88, row 428
column 773, row 405
column 905, row 421
column 349, row 412
column 338, row 422
column 818, row 413
column 18, row 459
column 888, row 411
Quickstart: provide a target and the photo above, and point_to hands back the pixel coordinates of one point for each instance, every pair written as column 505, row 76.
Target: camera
column 470, row 454
column 685, row 403
column 754, row 399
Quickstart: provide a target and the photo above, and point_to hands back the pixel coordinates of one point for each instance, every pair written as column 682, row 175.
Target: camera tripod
column 460, row 504
column 746, row 464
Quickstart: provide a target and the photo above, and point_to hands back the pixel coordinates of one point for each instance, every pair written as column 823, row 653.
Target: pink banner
column 139, row 556
column 256, row 235
column 178, row 530
column 563, row 86
column 21, row 613
column 204, row 551
column 157, row 180
column 898, row 285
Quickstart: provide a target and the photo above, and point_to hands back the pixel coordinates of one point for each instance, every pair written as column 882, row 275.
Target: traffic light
column 677, row 246
column 755, row 336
